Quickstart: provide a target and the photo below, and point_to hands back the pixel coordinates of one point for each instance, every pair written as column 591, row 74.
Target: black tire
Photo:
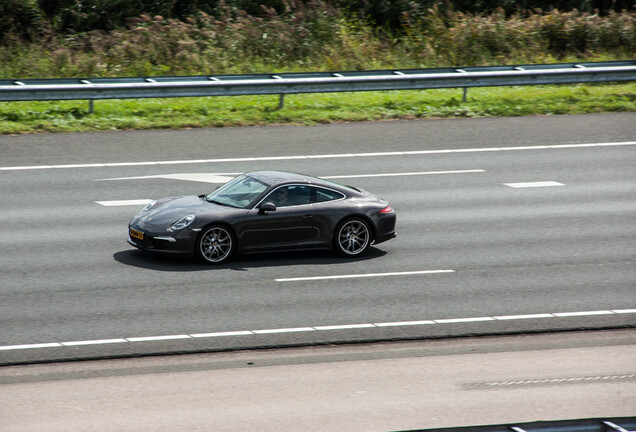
column 352, row 237
column 215, row 245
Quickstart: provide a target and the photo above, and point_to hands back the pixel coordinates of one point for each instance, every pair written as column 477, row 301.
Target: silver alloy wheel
column 353, row 237
column 216, row 245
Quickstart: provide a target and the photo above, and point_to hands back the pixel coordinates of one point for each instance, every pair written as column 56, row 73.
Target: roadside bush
column 20, row 20
column 312, row 35
column 457, row 38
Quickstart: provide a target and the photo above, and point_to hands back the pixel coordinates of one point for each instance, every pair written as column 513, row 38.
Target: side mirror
column 266, row 207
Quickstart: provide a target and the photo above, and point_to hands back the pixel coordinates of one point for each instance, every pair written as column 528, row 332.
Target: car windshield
column 239, row 192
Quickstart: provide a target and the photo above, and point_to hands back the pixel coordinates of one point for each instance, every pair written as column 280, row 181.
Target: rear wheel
column 215, row 245
column 352, row 238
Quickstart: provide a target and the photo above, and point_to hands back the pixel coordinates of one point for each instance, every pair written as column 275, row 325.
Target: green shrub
column 308, row 35
column 20, row 20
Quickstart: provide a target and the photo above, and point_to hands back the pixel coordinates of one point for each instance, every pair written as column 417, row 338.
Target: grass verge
column 311, row 109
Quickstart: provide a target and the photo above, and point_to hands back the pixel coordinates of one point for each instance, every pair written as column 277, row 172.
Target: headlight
column 182, row 223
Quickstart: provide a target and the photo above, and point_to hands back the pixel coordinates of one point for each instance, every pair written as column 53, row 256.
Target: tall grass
column 471, row 39
column 316, row 36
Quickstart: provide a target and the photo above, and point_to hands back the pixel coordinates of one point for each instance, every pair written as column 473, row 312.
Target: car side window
column 292, row 195
column 319, row 195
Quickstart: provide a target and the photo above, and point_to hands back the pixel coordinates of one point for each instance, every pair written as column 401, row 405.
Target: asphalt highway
column 352, row 388
column 504, row 225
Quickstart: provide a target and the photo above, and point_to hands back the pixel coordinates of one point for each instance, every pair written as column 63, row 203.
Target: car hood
column 167, row 211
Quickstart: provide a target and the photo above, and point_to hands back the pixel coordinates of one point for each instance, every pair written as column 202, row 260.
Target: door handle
column 308, row 216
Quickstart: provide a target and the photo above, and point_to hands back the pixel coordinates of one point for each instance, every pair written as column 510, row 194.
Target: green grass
column 312, row 109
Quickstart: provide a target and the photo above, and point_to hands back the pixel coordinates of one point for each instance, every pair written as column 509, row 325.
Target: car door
column 329, row 207
column 292, row 224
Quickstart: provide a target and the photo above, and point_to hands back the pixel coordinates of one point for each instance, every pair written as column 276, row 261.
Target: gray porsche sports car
column 262, row 211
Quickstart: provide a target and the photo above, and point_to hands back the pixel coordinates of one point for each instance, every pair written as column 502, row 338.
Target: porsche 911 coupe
column 263, row 211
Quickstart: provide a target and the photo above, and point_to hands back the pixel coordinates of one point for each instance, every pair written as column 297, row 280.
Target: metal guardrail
column 315, row 82
column 616, row 424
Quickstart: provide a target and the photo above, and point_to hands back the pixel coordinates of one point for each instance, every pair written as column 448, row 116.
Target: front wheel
column 215, row 245
column 352, row 238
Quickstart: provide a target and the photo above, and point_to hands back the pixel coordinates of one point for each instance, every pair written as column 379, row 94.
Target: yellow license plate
column 136, row 234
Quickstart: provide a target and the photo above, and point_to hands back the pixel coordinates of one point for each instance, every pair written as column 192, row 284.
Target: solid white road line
column 581, row 314
column 404, row 323
column 222, row 334
column 284, row 330
column 587, row 313
column 158, row 338
column 557, row 380
column 344, row 327
column 364, row 275
column 325, row 156
column 94, row 342
column 463, row 320
column 519, row 317
column 30, row 346
column 534, row 184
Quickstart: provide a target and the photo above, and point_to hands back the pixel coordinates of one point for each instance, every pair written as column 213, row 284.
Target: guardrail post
column 462, row 71
column 90, row 101
column 281, row 96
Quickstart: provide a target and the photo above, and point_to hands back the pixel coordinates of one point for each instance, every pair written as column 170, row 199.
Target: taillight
column 386, row 209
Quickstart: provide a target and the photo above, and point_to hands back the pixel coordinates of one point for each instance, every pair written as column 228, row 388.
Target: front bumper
column 152, row 243
column 179, row 242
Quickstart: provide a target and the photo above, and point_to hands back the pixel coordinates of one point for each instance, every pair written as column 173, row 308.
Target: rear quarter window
column 323, row 195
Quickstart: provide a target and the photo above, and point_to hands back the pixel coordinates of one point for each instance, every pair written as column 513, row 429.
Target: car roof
column 277, row 177
column 274, row 178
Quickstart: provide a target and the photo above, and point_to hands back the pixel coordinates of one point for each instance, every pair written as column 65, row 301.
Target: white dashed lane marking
column 559, row 315
column 364, row 275
column 195, row 177
column 118, row 203
column 222, row 178
column 534, row 184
